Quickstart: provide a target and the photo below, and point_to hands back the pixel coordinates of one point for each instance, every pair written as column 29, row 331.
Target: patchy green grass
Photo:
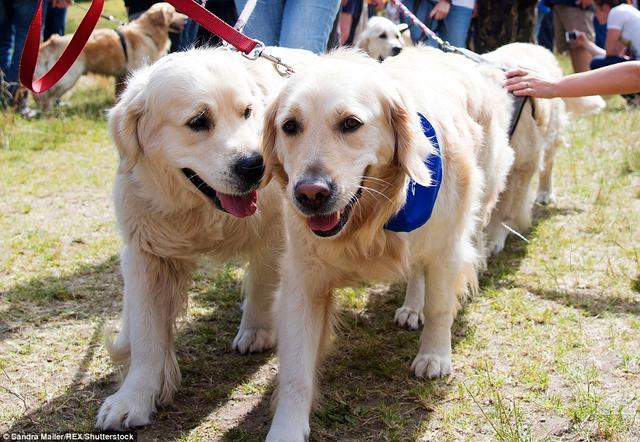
column 549, row 350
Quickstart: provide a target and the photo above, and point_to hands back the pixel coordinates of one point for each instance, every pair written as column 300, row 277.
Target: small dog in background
column 113, row 53
column 382, row 38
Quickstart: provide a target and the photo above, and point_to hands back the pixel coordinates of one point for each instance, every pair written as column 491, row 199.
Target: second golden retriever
column 347, row 144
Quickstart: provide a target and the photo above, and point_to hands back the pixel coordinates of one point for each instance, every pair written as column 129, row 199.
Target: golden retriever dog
column 382, row 38
column 146, row 39
column 188, row 132
column 539, row 133
column 346, row 143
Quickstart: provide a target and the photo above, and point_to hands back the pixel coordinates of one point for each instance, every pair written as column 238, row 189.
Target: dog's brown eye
column 247, row 112
column 291, row 127
column 350, row 124
column 383, row 35
column 200, row 122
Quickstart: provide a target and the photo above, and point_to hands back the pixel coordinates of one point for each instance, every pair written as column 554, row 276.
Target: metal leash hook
column 283, row 69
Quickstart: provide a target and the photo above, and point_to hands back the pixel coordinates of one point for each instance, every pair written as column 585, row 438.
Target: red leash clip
column 29, row 58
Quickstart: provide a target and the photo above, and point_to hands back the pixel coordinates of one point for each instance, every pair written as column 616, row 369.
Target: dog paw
column 288, row 433
column 407, row 317
column 125, row 410
column 254, row 340
column 545, row 198
column 431, row 365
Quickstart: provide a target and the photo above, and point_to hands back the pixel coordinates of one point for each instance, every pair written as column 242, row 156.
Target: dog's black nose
column 396, row 50
column 313, row 193
column 250, row 168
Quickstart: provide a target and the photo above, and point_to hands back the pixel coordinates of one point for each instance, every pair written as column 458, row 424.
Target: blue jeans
column 600, row 62
column 188, row 35
column 54, row 20
column 454, row 28
column 15, row 18
column 300, row 24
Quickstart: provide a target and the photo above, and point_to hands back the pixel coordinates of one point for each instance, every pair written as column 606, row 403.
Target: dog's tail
column 582, row 106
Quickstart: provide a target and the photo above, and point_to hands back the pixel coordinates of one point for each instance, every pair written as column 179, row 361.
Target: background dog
column 146, row 39
column 343, row 140
column 188, row 132
column 382, row 38
column 538, row 135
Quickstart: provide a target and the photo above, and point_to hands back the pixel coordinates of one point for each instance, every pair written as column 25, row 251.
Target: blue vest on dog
column 420, row 199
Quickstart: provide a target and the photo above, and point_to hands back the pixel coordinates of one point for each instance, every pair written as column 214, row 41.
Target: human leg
column 265, row 22
column 306, row 24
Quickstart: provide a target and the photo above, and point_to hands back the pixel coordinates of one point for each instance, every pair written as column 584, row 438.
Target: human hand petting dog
column 522, row 82
column 441, row 10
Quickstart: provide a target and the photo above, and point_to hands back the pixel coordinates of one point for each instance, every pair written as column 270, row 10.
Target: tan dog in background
column 146, row 40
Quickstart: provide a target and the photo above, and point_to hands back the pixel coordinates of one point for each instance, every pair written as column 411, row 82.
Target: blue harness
column 420, row 199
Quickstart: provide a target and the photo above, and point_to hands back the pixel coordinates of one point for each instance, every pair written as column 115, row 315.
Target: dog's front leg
column 304, row 315
column 155, row 290
column 256, row 332
column 434, row 357
column 410, row 314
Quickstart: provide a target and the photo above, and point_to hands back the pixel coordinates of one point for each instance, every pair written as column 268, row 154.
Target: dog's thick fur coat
column 309, row 135
column 200, row 110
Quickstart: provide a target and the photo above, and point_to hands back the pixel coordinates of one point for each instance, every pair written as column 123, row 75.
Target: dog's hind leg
column 410, row 315
column 155, row 294
column 546, row 194
column 256, row 332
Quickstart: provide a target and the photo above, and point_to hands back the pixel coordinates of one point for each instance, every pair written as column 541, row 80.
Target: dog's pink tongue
column 239, row 205
column 323, row 223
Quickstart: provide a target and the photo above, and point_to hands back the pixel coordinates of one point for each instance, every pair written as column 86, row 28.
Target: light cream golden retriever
column 382, row 38
column 188, row 132
column 146, row 39
column 344, row 142
column 538, row 135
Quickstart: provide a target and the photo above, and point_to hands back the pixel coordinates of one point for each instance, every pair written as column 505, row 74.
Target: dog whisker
column 375, row 192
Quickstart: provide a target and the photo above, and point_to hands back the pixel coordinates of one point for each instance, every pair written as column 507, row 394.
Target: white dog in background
column 343, row 141
column 538, row 135
column 188, row 132
column 382, row 38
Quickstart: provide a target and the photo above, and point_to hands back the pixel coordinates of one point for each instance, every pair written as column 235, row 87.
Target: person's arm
column 613, row 46
column 621, row 78
column 584, row 42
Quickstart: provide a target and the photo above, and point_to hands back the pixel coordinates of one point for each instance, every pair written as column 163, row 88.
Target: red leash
column 32, row 43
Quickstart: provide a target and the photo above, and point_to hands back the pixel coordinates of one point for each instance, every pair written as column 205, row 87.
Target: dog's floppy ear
column 123, row 121
column 411, row 146
column 363, row 40
column 162, row 15
column 272, row 165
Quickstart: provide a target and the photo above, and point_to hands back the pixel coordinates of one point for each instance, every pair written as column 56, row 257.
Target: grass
column 547, row 351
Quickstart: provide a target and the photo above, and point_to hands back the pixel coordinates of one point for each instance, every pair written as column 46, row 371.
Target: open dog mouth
column 331, row 224
column 238, row 205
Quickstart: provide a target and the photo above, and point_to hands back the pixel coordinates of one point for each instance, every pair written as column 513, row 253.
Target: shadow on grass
column 589, row 301
column 367, row 391
column 211, row 370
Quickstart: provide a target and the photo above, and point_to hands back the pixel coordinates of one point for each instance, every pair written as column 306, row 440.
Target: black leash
column 123, row 43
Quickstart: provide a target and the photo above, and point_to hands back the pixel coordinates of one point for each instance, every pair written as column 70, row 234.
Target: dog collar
column 123, row 43
column 420, row 201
